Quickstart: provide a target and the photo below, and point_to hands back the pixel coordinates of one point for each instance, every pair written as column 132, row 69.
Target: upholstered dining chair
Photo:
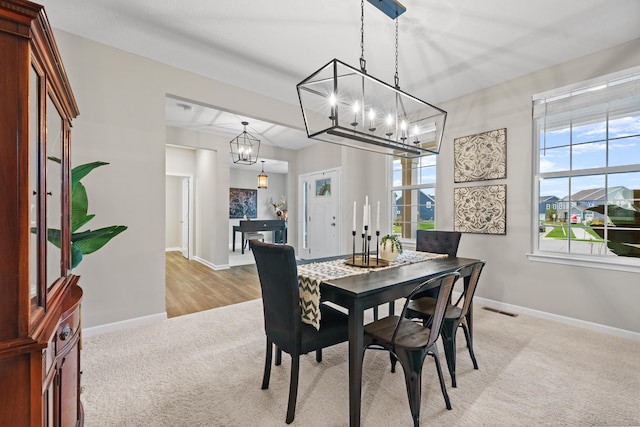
column 455, row 316
column 437, row 241
column 277, row 271
column 410, row 342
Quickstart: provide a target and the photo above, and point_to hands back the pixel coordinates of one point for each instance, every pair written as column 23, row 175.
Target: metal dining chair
column 410, row 342
column 455, row 316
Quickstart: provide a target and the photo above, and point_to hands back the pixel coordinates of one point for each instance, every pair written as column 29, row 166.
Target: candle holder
column 377, row 247
column 353, row 251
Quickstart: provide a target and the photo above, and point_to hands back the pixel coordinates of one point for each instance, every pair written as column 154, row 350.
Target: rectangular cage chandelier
column 343, row 105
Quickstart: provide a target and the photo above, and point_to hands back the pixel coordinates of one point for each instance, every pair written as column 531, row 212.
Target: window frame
column 619, row 263
column 431, row 185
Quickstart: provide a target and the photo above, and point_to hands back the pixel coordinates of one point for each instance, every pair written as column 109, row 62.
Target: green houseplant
column 89, row 241
column 390, row 247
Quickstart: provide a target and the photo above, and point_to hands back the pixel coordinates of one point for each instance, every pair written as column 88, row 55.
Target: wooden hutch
column 39, row 297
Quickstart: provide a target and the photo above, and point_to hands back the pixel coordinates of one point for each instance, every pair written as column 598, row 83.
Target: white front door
column 320, row 196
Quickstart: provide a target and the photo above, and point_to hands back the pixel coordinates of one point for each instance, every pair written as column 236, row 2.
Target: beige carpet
column 205, row 369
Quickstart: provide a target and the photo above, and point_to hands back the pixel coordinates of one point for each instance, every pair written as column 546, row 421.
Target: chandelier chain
column 363, row 62
column 396, row 79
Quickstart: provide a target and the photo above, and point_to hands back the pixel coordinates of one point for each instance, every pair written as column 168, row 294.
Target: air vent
column 506, row 313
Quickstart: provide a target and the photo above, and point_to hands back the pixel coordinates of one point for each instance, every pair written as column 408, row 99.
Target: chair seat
column 332, row 330
column 428, row 305
column 254, row 236
column 410, row 335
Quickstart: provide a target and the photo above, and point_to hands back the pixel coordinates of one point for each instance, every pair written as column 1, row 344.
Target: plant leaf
column 75, row 224
column 53, row 236
column 76, row 256
column 81, row 171
column 90, row 241
column 79, row 206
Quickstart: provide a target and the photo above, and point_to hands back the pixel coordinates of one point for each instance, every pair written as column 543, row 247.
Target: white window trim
column 627, row 264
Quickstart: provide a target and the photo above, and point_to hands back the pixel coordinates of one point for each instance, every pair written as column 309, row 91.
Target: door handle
column 333, row 224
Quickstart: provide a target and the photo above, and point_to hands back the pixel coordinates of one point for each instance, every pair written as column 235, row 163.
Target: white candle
column 378, row 218
column 364, row 217
column 354, row 215
column 369, row 218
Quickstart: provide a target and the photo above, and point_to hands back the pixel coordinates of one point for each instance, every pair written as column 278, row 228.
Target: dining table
column 360, row 292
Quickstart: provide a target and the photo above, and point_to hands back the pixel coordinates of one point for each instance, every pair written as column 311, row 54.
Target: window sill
column 631, row 265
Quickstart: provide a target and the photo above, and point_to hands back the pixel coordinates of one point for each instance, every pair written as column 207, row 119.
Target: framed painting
column 243, row 202
column 480, row 209
column 480, row 157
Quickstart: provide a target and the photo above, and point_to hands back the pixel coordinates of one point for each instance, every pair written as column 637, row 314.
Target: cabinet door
column 69, row 386
column 53, row 167
column 36, row 223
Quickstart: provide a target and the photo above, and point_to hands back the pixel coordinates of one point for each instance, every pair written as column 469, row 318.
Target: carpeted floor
column 205, row 369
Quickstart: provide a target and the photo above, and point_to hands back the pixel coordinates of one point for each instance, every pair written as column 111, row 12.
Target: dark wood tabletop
column 360, row 292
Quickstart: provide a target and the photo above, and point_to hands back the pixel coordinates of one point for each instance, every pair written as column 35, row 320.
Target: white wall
column 122, row 121
column 121, row 101
column 173, row 212
column 593, row 295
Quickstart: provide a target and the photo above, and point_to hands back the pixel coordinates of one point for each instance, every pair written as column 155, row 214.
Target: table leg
column 356, row 342
column 234, row 241
column 242, row 242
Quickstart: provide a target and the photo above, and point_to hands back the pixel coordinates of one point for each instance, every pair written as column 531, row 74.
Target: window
column 587, row 155
column 413, row 196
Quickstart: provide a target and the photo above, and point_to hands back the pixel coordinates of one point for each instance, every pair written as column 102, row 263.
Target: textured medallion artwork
column 480, row 157
column 481, row 209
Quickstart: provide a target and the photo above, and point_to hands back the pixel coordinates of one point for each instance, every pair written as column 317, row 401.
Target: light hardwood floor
column 192, row 286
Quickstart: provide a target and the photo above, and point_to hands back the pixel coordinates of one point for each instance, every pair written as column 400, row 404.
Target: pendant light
column 345, row 105
column 263, row 179
column 245, row 147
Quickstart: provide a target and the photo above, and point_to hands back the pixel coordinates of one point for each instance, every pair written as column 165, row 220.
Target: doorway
column 319, row 195
column 179, row 217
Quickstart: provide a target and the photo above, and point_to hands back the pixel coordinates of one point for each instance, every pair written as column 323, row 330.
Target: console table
column 278, row 227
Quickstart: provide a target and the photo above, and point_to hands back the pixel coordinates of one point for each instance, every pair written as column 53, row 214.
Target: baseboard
column 173, row 250
column 623, row 333
column 211, row 265
column 123, row 324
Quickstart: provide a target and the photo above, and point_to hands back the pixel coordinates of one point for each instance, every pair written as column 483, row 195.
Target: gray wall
column 121, row 100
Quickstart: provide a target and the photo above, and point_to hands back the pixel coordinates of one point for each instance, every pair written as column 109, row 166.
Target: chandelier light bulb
column 372, row 116
column 356, row 108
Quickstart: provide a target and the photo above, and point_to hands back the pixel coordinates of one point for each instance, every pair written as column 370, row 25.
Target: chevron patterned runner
column 311, row 275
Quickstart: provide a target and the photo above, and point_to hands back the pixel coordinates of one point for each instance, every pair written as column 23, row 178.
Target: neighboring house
column 426, row 204
column 546, row 204
column 578, row 203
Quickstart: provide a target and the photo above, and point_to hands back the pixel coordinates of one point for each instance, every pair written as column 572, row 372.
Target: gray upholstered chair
column 437, row 241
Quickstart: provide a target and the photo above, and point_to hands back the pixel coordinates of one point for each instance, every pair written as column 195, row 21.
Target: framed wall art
column 481, row 209
column 243, row 202
column 480, row 157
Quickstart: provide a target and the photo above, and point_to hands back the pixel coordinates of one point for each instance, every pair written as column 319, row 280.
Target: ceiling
column 446, row 48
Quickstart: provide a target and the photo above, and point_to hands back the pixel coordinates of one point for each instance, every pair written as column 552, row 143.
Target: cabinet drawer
column 67, row 329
